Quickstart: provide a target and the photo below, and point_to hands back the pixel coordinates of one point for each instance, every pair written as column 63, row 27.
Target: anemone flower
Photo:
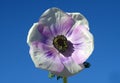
column 60, row 42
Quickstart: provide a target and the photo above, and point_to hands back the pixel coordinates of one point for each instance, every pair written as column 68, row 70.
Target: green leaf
column 50, row 75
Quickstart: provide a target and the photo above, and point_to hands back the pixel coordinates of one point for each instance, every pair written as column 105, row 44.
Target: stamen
column 60, row 43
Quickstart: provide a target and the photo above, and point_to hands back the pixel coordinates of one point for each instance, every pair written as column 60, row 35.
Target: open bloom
column 60, row 42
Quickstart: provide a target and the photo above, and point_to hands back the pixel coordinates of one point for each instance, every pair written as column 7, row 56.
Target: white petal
column 66, row 73
column 33, row 34
column 78, row 17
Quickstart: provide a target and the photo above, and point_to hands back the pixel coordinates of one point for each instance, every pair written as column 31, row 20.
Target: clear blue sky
column 16, row 18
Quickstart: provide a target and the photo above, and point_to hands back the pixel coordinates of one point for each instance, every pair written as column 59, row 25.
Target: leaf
column 50, row 75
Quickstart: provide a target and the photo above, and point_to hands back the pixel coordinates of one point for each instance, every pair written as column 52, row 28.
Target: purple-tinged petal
column 58, row 22
column 45, row 57
column 82, row 41
column 39, row 33
column 79, row 56
column 70, row 64
column 44, row 30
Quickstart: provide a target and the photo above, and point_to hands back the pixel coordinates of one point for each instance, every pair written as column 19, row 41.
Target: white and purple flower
column 60, row 42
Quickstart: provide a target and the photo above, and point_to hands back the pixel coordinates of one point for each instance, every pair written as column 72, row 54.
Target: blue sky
column 16, row 18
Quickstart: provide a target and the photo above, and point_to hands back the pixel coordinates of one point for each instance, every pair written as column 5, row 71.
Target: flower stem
column 64, row 79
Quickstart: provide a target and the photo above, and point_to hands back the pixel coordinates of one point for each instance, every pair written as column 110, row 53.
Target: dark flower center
column 60, row 43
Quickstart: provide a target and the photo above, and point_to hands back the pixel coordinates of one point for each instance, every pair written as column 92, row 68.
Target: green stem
column 64, row 79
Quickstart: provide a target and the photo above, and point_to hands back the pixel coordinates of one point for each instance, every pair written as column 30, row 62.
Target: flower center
column 60, row 43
